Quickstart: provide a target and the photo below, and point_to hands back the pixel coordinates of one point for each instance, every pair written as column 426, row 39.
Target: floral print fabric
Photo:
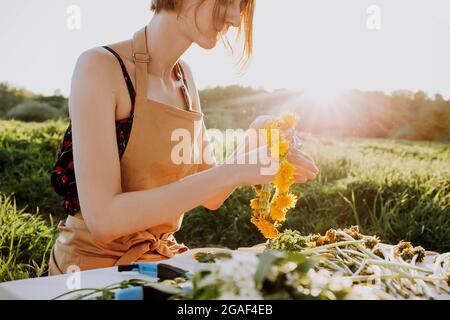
column 63, row 174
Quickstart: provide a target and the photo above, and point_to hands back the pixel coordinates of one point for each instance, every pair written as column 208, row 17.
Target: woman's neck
column 166, row 44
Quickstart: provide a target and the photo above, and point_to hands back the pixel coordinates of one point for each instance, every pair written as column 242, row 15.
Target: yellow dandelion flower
column 277, row 214
column 267, row 213
column 282, row 184
column 256, row 214
column 257, row 189
column 286, row 201
column 264, row 197
column 285, row 177
column 254, row 204
column 273, row 125
column 284, row 148
column 288, row 120
column 272, row 143
column 287, row 169
column 267, row 229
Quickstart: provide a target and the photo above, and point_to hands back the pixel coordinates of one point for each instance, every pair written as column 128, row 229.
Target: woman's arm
column 217, row 200
column 110, row 213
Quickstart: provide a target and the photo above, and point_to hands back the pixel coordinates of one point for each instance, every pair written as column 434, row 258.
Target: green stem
column 331, row 245
column 74, row 291
column 392, row 276
column 398, row 265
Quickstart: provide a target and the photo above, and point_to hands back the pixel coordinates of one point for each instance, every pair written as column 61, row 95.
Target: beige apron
column 145, row 164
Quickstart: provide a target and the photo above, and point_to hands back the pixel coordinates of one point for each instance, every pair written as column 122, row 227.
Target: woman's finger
column 304, row 156
column 300, row 179
column 303, row 168
column 300, row 170
column 297, row 150
column 299, row 159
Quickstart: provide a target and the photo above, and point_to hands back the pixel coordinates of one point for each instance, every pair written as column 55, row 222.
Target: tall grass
column 395, row 189
column 25, row 242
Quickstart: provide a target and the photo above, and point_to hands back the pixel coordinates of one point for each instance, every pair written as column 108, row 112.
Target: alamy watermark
column 73, row 21
column 374, row 17
column 73, row 281
column 252, row 144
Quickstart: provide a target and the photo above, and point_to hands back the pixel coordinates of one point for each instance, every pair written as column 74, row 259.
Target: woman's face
column 206, row 34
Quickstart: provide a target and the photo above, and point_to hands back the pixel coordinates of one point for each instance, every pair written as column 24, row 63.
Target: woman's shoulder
column 99, row 59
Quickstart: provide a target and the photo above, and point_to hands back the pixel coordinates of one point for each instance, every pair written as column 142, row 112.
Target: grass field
column 395, row 189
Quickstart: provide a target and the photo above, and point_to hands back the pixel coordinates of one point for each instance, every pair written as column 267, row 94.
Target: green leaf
column 166, row 288
column 265, row 261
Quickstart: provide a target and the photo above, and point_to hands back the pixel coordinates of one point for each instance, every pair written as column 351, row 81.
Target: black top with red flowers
column 63, row 175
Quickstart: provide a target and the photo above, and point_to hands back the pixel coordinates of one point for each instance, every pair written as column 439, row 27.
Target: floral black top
column 63, row 174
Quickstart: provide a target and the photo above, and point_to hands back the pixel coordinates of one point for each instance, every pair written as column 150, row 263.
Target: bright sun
column 323, row 96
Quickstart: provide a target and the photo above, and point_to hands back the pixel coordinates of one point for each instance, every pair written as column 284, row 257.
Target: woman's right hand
column 253, row 167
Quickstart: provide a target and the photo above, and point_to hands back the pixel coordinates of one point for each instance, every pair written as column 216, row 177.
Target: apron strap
column 141, row 59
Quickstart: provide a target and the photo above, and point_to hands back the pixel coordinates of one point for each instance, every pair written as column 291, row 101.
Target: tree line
column 400, row 115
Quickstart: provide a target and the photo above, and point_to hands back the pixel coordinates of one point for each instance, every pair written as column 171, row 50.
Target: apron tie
column 165, row 246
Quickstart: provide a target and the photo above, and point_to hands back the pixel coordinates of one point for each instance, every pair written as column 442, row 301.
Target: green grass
column 25, row 242
column 27, row 154
column 395, row 189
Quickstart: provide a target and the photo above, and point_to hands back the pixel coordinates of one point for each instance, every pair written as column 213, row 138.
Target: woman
column 114, row 165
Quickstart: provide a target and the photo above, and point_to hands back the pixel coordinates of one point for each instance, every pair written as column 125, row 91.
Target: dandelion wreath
column 269, row 210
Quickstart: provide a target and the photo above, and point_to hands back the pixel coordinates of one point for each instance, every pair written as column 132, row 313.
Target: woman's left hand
column 306, row 169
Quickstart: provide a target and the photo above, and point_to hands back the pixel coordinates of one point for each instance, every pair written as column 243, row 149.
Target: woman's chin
column 208, row 43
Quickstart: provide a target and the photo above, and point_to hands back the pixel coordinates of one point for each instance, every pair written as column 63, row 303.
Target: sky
column 318, row 46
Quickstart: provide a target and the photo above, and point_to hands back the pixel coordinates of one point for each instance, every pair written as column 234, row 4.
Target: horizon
column 336, row 52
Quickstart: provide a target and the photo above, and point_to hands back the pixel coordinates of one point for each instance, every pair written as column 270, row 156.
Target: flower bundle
column 269, row 208
column 401, row 271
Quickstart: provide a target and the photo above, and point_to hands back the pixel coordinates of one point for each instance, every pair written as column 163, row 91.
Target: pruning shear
column 152, row 269
column 155, row 270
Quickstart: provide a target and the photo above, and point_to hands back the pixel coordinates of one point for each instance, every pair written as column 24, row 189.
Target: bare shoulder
column 96, row 71
column 94, row 60
column 94, row 83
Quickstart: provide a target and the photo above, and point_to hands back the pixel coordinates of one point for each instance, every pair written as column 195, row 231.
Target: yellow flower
column 277, row 213
column 284, row 148
column 257, row 189
column 267, row 213
column 267, row 229
column 286, row 201
column 285, row 177
column 254, row 204
column 270, row 143
column 282, row 185
column 288, row 120
column 287, row 169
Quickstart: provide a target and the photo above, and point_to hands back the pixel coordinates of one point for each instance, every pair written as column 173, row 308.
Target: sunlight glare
column 323, row 96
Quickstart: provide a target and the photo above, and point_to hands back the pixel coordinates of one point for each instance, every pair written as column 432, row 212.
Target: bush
column 26, row 241
column 27, row 155
column 33, row 111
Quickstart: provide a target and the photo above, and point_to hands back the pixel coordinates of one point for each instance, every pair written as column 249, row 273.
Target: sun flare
column 323, row 96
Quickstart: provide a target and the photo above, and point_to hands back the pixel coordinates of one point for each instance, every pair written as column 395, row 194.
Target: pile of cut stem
column 367, row 262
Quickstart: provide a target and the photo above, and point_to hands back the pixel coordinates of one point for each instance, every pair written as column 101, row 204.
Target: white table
column 46, row 288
